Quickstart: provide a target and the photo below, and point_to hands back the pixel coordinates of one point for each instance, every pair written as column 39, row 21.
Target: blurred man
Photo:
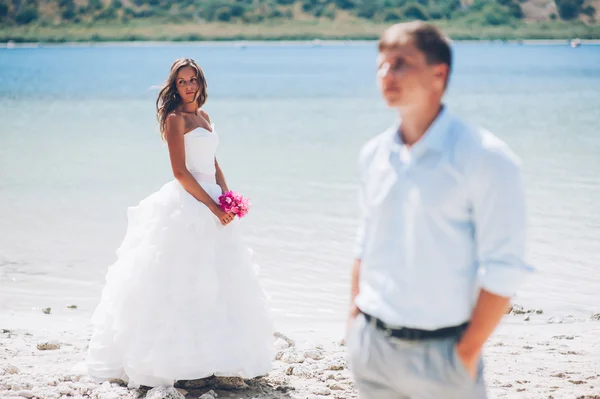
column 441, row 243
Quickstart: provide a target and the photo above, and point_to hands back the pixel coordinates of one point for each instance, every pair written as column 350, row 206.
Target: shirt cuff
column 359, row 250
column 505, row 279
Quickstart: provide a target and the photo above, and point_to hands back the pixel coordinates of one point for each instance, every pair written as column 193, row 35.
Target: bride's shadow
column 224, row 387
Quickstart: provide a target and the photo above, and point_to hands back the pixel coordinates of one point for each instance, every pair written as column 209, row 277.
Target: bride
column 182, row 301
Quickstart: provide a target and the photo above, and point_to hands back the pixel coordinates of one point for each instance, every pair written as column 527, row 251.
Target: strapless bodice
column 200, row 149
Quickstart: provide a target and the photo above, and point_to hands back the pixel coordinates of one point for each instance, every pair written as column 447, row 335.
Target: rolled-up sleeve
column 499, row 211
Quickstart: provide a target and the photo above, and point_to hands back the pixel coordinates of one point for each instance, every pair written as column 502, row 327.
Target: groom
column 441, row 243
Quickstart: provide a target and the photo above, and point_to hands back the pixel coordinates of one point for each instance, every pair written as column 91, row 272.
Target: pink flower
column 232, row 202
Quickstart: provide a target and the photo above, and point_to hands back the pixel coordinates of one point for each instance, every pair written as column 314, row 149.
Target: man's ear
column 441, row 72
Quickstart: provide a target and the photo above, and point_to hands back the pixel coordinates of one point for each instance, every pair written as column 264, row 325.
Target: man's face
column 405, row 78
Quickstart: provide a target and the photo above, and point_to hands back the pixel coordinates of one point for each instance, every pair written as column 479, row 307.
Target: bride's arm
column 174, row 135
column 220, row 177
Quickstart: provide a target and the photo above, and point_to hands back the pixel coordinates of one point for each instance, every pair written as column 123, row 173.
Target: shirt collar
column 434, row 138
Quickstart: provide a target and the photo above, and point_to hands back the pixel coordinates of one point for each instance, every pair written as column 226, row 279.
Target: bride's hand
column 224, row 217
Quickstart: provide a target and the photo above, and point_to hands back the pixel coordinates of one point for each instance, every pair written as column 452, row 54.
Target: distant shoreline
column 295, row 31
column 250, row 43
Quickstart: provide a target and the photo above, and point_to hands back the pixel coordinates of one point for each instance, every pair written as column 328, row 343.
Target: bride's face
column 187, row 84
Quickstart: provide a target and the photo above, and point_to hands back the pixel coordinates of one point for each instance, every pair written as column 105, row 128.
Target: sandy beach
column 532, row 355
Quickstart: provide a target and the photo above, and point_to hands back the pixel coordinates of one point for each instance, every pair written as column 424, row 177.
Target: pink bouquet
column 232, row 202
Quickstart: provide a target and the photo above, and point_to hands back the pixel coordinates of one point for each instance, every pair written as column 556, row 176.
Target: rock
column 231, row 383
column 326, row 376
column 164, row 393
column 337, row 364
column 302, row 371
column 72, row 307
column 209, row 395
column 116, row 381
column 6, row 369
column 283, row 337
column 66, row 388
column 334, row 386
column 182, row 391
column 527, row 318
column 515, row 309
column 48, row 346
column 595, row 317
column 518, row 309
column 569, row 337
column 321, row 391
column 313, row 354
column 47, row 310
column 280, row 379
column 292, row 356
column 281, row 344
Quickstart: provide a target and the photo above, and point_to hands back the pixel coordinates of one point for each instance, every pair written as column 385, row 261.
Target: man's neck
column 416, row 121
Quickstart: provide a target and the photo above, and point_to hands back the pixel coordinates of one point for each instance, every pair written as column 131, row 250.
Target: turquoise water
column 79, row 143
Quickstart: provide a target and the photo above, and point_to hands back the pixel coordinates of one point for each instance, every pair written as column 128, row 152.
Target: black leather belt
column 413, row 334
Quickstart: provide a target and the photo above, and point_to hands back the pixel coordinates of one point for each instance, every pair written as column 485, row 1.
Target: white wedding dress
column 182, row 301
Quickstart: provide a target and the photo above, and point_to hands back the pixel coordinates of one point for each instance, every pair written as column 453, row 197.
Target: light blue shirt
column 440, row 220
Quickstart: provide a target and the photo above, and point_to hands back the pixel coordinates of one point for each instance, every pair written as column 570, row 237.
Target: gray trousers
column 390, row 368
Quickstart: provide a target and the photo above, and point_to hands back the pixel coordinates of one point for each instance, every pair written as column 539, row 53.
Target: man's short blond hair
column 425, row 37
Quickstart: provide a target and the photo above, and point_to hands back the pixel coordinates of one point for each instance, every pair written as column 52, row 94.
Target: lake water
column 79, row 144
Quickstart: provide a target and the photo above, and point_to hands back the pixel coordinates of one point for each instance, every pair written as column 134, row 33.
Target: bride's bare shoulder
column 175, row 124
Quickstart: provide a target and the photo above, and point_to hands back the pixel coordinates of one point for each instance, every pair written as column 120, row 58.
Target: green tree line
column 483, row 12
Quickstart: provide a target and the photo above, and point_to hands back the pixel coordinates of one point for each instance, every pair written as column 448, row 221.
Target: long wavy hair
column 168, row 98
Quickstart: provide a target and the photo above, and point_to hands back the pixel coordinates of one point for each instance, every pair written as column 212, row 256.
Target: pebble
column 283, row 337
column 292, row 356
column 8, row 369
column 322, row 391
column 302, row 371
column 164, row 393
column 313, row 354
column 337, row 364
column 281, row 344
column 48, row 346
column 334, row 386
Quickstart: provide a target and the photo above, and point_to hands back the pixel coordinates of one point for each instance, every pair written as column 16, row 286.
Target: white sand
column 544, row 357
